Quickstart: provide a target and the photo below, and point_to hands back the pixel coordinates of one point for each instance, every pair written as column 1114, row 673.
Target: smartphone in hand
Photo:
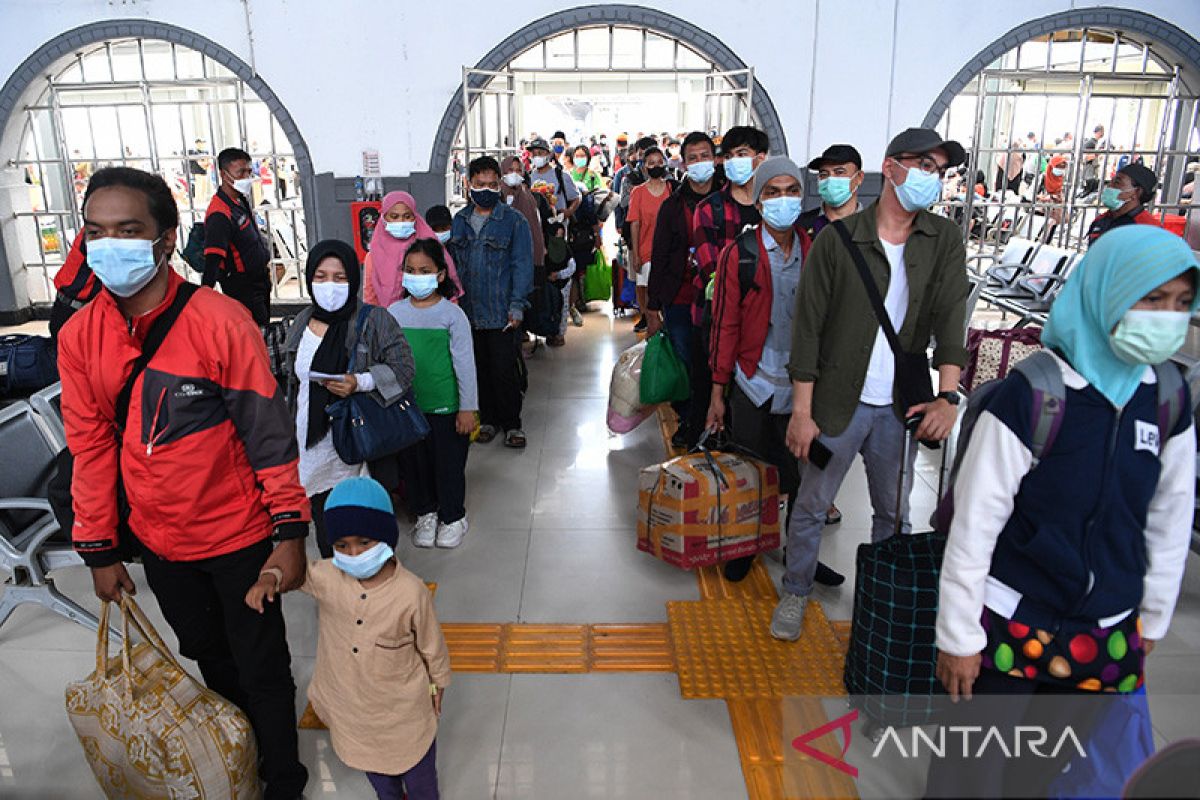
column 819, row 455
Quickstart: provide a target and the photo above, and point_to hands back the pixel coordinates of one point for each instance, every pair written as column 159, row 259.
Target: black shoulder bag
column 913, row 385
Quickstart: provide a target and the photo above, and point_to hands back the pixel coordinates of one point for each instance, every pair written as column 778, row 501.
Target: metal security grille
column 164, row 108
column 491, row 99
column 1043, row 102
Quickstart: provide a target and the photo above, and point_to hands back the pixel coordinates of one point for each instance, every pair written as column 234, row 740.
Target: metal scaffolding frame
column 162, row 93
column 1110, row 72
column 728, row 95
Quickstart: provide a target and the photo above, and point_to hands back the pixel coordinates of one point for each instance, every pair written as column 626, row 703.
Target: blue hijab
column 1122, row 267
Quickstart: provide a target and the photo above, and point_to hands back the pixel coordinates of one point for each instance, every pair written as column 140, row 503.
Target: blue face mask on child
column 366, row 564
column 420, row 286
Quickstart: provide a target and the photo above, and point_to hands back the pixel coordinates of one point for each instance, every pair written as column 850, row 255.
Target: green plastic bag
column 597, row 281
column 664, row 375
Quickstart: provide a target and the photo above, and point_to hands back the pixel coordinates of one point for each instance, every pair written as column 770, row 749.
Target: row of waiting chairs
column 1026, row 277
column 32, row 544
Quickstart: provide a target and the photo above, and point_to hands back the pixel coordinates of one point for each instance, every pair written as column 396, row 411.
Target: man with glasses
column 843, row 371
column 839, row 176
column 1125, row 196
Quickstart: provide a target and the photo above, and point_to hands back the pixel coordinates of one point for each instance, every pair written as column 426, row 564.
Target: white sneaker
column 576, row 317
column 788, row 617
column 451, row 534
column 426, row 530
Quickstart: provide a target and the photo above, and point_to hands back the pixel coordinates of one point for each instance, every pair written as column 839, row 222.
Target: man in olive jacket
column 842, row 368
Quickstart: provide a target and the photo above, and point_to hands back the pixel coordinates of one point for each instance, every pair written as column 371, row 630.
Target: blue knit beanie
column 360, row 507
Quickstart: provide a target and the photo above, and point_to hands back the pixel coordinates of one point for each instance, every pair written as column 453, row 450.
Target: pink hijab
column 387, row 252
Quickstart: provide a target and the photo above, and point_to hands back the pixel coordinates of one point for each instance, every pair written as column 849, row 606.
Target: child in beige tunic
column 382, row 664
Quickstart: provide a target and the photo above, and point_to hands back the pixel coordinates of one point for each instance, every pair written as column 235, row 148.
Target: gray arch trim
column 1167, row 39
column 44, row 58
column 703, row 42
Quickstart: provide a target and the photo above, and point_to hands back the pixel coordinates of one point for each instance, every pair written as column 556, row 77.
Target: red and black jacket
column 75, row 279
column 742, row 309
column 233, row 244
column 208, row 458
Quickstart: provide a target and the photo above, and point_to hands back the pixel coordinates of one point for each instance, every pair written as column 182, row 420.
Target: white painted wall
column 361, row 74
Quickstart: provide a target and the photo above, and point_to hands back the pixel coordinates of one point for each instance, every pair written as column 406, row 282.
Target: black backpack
column 747, row 247
column 193, row 251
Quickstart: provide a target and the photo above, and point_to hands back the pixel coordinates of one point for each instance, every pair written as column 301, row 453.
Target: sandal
column 486, row 434
column 515, row 439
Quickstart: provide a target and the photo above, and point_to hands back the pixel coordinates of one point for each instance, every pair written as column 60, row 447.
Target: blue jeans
column 677, row 323
column 876, row 433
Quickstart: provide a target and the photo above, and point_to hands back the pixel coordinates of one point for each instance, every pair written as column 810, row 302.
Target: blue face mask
column 781, row 213
column 420, row 286
column 401, row 230
column 124, row 266
column 366, row 564
column 1149, row 337
column 443, row 236
column 835, row 191
column 701, row 171
column 1111, row 198
column 919, row 190
column 485, row 198
column 739, row 170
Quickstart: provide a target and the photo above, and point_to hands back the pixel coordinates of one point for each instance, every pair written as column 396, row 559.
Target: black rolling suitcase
column 890, row 662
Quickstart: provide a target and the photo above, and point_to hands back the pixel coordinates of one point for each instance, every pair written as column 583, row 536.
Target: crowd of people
column 804, row 336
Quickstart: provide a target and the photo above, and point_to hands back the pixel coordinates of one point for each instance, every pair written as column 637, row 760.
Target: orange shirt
column 643, row 209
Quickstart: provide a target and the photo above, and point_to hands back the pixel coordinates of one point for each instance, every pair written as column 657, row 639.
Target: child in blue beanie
column 382, row 664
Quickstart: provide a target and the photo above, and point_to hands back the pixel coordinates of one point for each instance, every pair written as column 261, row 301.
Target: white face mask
column 539, row 161
column 513, row 179
column 330, row 295
column 244, row 185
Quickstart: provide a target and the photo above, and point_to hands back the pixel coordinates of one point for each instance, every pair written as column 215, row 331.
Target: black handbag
column 364, row 429
column 913, row 385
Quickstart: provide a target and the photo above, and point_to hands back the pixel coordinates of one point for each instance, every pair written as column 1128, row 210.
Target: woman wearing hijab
column 1060, row 574
column 398, row 228
column 517, row 194
column 319, row 343
column 1051, row 193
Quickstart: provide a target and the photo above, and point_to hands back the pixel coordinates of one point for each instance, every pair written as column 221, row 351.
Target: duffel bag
column 149, row 729
column 27, row 363
column 992, row 354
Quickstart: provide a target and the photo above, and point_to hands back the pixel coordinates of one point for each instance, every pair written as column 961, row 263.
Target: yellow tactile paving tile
column 544, row 648
column 631, row 648
column 755, row 586
column 474, row 647
column 758, row 730
column 723, row 649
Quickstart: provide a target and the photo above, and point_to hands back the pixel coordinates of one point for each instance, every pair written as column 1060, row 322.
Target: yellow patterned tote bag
column 150, row 730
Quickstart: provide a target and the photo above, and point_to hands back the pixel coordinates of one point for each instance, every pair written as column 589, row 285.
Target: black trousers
column 499, row 378
column 435, row 475
column 317, row 501
column 701, row 378
column 252, row 291
column 243, row 655
column 991, row 774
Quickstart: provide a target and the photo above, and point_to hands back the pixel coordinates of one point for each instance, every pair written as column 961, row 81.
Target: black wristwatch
column 950, row 397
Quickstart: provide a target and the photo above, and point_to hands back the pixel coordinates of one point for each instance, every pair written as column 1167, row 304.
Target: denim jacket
column 495, row 267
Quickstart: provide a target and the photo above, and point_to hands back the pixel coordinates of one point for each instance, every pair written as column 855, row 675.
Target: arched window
column 1051, row 120
column 165, row 108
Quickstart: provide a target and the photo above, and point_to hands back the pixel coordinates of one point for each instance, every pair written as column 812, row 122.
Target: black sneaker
column 828, row 576
column 640, row 327
column 681, row 439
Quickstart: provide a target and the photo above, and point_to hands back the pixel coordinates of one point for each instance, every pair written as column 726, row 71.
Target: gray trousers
column 874, row 432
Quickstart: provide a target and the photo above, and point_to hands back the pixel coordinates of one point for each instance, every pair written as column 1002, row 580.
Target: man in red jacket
column 206, row 456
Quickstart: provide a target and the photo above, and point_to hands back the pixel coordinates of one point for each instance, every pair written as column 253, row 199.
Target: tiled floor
column 551, row 540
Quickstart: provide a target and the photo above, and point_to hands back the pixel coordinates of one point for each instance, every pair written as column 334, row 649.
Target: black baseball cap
column 923, row 140
column 1141, row 176
column 539, row 144
column 837, row 154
